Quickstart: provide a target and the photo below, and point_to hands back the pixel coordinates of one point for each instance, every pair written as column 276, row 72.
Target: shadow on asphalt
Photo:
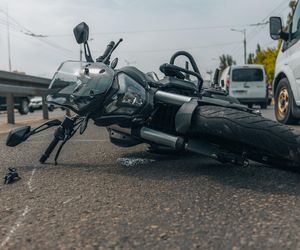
column 191, row 167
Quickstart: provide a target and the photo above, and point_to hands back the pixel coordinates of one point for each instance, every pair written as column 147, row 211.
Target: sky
column 152, row 30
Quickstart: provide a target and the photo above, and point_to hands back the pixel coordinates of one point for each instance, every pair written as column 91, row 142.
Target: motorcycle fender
column 184, row 116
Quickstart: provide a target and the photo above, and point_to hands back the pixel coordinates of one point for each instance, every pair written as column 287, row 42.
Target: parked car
column 21, row 103
column 286, row 85
column 37, row 103
column 247, row 83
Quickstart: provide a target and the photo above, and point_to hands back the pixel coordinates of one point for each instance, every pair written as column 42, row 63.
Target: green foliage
column 268, row 59
column 250, row 59
column 226, row 61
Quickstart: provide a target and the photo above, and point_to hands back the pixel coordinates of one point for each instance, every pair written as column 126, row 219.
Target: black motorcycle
column 174, row 113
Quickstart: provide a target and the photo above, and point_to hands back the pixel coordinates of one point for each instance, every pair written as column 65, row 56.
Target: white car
column 247, row 83
column 286, row 85
column 37, row 103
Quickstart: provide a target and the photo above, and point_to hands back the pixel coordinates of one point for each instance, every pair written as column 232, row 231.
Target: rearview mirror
column 18, row 136
column 276, row 29
column 81, row 33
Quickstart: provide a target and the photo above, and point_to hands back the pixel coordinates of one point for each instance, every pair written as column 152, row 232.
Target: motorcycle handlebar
column 110, row 46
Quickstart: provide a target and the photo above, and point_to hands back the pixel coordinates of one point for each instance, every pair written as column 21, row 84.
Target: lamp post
column 8, row 40
column 245, row 42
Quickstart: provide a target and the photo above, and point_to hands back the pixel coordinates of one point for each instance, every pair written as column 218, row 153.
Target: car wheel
column 250, row 106
column 263, row 105
column 51, row 108
column 31, row 109
column 283, row 103
column 24, row 107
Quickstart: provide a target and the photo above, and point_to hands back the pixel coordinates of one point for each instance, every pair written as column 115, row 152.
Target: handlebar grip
column 110, row 46
column 51, row 147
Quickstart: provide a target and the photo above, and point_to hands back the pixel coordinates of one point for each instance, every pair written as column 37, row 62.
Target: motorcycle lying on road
column 173, row 113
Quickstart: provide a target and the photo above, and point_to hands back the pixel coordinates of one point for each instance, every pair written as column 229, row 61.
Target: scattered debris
column 11, row 176
column 132, row 162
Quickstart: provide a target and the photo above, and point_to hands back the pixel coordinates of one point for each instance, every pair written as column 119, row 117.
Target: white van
column 286, row 85
column 247, row 83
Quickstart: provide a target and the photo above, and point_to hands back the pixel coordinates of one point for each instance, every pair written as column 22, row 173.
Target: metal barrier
column 14, row 84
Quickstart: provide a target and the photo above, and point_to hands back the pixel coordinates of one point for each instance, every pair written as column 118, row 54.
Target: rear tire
column 51, row 108
column 266, row 141
column 24, row 107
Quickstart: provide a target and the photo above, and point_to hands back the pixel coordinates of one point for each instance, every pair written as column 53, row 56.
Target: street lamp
column 245, row 42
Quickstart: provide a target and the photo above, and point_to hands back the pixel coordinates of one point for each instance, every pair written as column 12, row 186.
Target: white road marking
column 15, row 227
column 30, row 181
column 69, row 200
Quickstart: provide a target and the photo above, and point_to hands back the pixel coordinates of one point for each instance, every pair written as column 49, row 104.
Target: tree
column 250, row 59
column 226, row 61
column 268, row 59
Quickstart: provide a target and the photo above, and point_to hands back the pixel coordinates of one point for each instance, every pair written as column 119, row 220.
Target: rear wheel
column 283, row 103
column 24, row 107
column 237, row 131
column 51, row 108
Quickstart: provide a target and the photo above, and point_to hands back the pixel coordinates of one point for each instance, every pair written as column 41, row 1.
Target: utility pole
column 8, row 40
column 245, row 42
column 245, row 46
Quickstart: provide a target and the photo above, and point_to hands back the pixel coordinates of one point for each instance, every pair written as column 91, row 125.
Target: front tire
column 24, row 107
column 284, row 101
column 236, row 131
column 51, row 108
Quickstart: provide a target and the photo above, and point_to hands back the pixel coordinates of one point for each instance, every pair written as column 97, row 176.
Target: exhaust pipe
column 170, row 98
column 174, row 142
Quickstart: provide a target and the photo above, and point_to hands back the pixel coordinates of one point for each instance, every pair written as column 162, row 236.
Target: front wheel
column 284, row 102
column 236, row 131
column 24, row 107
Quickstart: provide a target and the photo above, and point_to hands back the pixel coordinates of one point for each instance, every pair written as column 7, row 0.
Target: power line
column 176, row 49
column 20, row 28
column 184, row 29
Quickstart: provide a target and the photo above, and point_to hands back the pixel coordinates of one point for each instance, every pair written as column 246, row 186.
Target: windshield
column 247, row 75
column 76, row 84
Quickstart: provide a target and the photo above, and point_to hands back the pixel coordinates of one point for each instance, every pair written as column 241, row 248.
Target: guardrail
column 14, row 84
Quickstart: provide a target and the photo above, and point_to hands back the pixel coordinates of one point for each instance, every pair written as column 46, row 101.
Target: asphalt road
column 104, row 197
column 30, row 117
